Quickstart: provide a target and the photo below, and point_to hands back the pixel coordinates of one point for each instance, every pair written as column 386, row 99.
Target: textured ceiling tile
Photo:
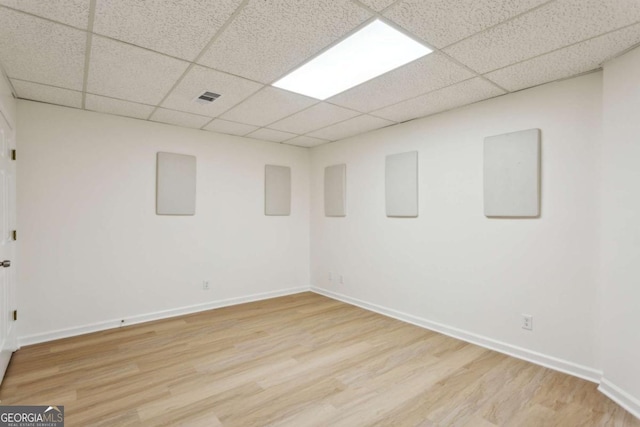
column 268, row 38
column 316, row 117
column 271, row 135
column 357, row 125
column 460, row 94
column 442, row 22
column 231, row 128
column 177, row 28
column 377, row 5
column 127, row 72
column 553, row 26
column 117, row 107
column 306, row 141
column 71, row 12
column 424, row 75
column 231, row 89
column 267, row 106
column 50, row 94
column 41, row 51
column 566, row 62
column 179, row 118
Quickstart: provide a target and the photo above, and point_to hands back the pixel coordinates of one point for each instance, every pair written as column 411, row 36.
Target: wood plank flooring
column 300, row 360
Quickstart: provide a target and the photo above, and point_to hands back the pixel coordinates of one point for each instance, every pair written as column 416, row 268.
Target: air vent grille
column 207, row 97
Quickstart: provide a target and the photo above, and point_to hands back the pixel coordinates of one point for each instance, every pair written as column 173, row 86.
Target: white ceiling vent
column 207, row 97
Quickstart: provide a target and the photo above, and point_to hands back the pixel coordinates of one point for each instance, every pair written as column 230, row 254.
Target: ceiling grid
column 149, row 60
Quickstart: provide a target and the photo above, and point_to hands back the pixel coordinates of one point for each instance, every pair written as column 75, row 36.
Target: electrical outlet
column 527, row 322
column 205, row 285
column 341, row 279
column 330, row 276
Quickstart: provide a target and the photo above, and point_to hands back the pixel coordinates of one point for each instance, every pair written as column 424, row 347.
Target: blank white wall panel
column 277, row 190
column 335, row 192
column 401, row 184
column 512, row 174
column 176, row 184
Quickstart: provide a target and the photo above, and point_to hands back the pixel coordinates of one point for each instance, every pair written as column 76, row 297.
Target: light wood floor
column 300, row 360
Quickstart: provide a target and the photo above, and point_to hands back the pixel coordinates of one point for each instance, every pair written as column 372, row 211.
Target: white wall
column 620, row 277
column 455, row 270
column 94, row 250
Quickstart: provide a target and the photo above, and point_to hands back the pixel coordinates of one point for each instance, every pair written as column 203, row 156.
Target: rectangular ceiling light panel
column 370, row 52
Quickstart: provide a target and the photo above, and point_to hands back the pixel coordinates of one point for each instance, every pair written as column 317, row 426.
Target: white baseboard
column 158, row 315
column 547, row 361
column 620, row 396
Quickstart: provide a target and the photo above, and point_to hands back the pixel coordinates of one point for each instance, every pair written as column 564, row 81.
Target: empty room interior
column 320, row 212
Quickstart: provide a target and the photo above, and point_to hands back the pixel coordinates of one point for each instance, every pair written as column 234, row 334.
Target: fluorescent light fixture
column 371, row 51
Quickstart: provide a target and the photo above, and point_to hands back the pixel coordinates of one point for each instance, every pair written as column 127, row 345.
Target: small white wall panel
column 277, row 190
column 175, row 184
column 335, row 192
column 401, row 184
column 512, row 174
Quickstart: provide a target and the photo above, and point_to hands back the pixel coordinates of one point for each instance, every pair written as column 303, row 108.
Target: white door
column 8, row 338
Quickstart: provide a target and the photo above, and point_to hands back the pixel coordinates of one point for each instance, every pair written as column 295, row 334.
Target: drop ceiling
column 149, row 59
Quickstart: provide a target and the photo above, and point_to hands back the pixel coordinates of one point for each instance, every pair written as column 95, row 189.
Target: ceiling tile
column 178, row 28
column 467, row 92
column 41, row 51
column 377, row 5
column 357, row 125
column 553, row 26
column 71, row 12
column 179, row 118
column 271, row 135
column 231, row 128
column 50, row 94
column 514, row 43
column 442, row 22
column 316, row 117
column 566, row 62
column 267, row 106
column 117, row 107
column 424, row 75
column 268, row 38
column 306, row 141
column 120, row 70
column 199, row 79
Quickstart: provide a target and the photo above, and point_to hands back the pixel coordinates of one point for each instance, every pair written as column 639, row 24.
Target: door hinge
column 13, row 154
column 14, row 234
column 15, row 315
